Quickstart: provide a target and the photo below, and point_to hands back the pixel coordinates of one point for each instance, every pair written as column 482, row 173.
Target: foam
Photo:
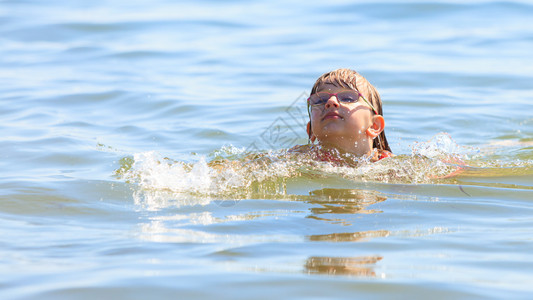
column 230, row 172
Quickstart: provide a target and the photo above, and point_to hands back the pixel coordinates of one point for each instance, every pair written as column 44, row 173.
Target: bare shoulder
column 300, row 149
column 381, row 154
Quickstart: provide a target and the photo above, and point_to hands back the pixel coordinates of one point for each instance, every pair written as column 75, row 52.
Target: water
column 144, row 151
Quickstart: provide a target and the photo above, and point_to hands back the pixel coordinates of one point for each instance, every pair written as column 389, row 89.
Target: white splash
column 230, row 173
column 152, row 171
column 441, row 145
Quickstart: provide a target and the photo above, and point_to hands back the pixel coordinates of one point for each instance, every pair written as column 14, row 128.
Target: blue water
column 143, row 151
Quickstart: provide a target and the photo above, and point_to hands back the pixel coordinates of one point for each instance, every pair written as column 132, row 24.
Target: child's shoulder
column 380, row 154
column 300, row 149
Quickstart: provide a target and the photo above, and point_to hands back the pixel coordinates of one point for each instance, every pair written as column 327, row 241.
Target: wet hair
column 350, row 79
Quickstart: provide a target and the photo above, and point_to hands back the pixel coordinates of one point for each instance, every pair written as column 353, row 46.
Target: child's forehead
column 331, row 87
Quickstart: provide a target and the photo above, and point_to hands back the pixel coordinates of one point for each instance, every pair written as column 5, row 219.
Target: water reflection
column 348, row 236
column 155, row 200
column 354, row 266
column 342, row 201
column 347, row 202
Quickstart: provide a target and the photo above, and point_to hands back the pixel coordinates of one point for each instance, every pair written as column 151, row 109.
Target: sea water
column 145, row 151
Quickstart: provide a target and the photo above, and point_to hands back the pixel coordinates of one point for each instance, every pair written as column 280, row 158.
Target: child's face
column 340, row 123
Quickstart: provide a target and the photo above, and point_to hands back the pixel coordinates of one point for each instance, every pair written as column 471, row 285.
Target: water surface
column 144, row 151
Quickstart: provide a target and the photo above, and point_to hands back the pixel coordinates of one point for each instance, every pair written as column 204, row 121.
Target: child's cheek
column 315, row 117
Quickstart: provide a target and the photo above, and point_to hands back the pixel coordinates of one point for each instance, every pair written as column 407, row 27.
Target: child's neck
column 343, row 146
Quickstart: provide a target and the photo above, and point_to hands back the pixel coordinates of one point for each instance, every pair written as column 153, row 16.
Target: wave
column 233, row 173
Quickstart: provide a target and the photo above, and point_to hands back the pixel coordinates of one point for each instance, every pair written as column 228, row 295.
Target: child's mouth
column 331, row 115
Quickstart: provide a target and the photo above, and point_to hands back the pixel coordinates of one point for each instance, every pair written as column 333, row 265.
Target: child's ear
column 312, row 137
column 377, row 126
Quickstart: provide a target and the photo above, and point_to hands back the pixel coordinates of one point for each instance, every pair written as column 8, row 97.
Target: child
column 346, row 118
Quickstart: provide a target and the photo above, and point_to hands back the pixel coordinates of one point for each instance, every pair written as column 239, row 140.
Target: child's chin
column 333, row 125
column 334, row 130
column 331, row 135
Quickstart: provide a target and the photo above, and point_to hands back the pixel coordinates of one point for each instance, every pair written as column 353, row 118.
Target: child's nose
column 332, row 101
